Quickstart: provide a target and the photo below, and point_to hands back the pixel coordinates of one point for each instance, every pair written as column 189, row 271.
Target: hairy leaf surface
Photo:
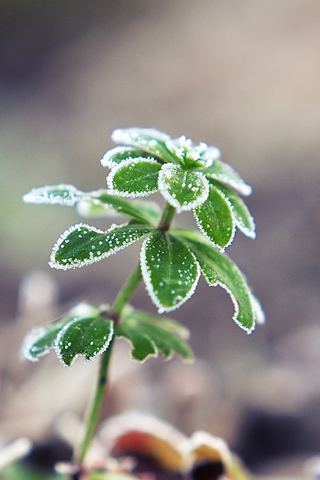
column 143, row 211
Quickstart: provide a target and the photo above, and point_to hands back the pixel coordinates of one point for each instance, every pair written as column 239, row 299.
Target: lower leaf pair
column 87, row 331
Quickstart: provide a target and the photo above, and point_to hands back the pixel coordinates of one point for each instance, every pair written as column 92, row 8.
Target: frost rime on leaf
column 134, row 177
column 83, row 245
column 184, row 190
column 215, row 219
column 61, row 194
column 116, row 155
column 86, row 337
column 170, row 271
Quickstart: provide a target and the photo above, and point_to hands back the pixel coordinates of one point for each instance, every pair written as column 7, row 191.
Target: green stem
column 166, row 218
column 94, row 412
column 127, row 291
column 96, row 406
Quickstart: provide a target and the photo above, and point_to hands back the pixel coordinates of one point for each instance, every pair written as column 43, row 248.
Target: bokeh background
column 244, row 76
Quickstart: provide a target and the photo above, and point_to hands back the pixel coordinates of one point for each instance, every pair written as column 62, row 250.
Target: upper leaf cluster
column 189, row 177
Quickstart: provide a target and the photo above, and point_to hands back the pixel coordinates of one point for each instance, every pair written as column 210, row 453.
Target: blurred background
column 244, row 76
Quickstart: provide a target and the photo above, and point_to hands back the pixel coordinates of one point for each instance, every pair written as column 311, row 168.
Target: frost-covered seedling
column 189, row 177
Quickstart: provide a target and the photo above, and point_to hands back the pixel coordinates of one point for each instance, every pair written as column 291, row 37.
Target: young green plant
column 189, row 177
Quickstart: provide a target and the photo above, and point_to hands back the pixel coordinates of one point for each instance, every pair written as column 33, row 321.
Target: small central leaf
column 86, row 337
column 82, row 245
column 183, row 189
column 170, row 271
column 136, row 177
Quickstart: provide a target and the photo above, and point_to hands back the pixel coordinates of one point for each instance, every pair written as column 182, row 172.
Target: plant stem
column 96, row 406
column 94, row 411
column 127, row 291
column 166, row 218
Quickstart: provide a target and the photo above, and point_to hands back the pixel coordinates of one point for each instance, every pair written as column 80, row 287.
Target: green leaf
column 215, row 219
column 148, row 337
column 219, row 269
column 82, row 244
column 86, row 337
column 54, row 194
column 143, row 211
column 142, row 345
column 183, row 189
column 40, row 340
column 226, row 174
column 165, row 323
column 242, row 216
column 147, row 139
column 170, row 271
column 91, row 208
column 116, row 155
column 136, row 177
